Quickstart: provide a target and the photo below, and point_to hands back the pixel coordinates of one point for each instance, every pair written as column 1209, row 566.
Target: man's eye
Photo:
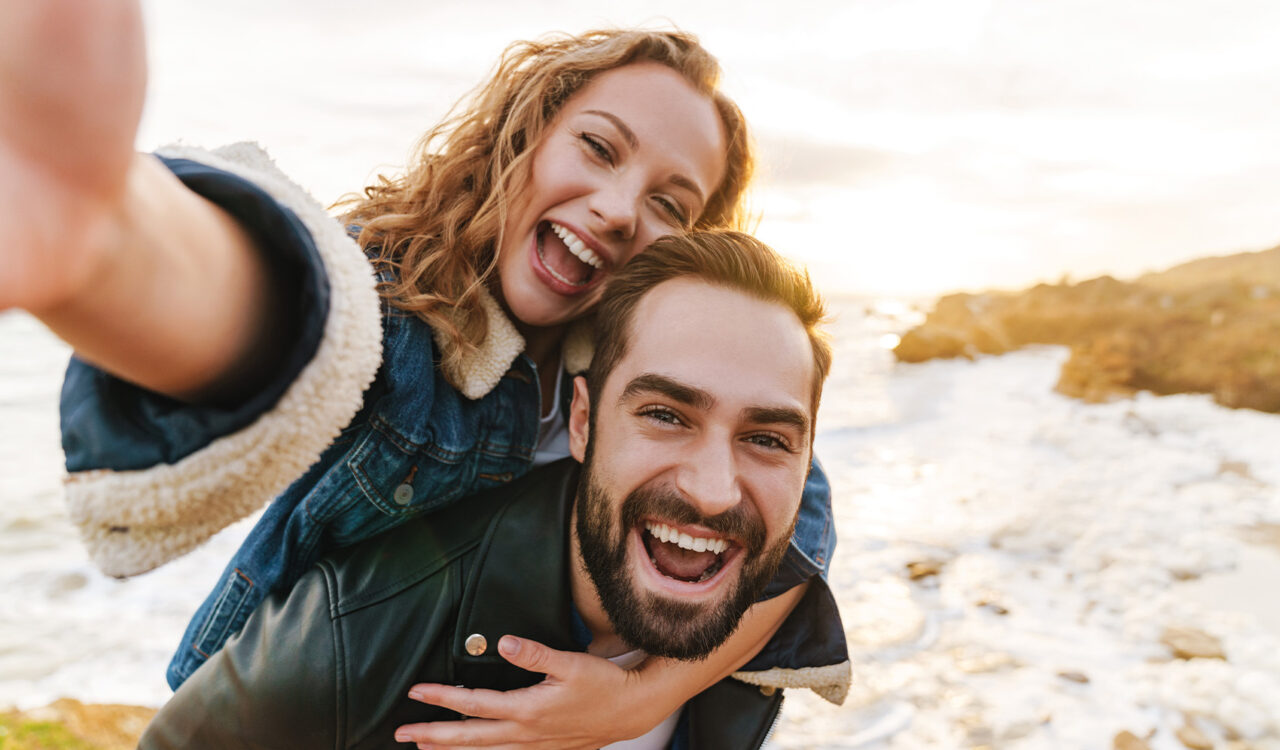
column 770, row 441
column 658, row 414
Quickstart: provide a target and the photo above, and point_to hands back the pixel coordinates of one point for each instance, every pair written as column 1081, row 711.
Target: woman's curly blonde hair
column 437, row 226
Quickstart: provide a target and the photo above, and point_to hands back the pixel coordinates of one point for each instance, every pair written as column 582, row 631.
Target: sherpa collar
column 481, row 368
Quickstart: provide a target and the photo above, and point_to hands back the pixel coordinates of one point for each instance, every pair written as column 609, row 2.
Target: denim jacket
column 346, row 458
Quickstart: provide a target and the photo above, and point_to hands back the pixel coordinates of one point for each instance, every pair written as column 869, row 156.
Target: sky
column 908, row 147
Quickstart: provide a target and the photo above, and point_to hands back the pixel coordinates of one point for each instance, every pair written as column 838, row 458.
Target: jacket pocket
column 399, row 479
column 228, row 614
column 402, row 479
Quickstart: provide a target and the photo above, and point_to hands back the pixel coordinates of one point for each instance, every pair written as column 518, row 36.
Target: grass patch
column 17, row 733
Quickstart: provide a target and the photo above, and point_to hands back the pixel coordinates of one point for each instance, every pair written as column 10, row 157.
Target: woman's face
column 631, row 157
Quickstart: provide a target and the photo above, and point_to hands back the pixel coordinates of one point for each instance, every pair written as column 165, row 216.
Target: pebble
column 1127, row 740
column 1193, row 738
column 1189, row 643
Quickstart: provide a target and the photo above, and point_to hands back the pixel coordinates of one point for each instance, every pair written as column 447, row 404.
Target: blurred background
column 909, row 146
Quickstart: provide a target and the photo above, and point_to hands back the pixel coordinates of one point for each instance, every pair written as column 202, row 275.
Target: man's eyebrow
column 779, row 415
column 653, row 383
column 630, row 137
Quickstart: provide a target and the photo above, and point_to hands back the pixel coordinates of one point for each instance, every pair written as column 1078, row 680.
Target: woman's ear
column 579, row 419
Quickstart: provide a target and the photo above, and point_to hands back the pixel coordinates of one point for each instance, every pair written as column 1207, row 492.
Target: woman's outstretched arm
column 141, row 276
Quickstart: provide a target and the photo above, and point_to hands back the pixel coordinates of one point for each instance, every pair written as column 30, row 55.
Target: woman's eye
column 673, row 210
column 597, row 146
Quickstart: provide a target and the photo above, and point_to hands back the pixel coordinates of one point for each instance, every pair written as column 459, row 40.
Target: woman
column 240, row 328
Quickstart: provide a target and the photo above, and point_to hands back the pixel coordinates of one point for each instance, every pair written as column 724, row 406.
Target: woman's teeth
column 665, row 533
column 577, row 246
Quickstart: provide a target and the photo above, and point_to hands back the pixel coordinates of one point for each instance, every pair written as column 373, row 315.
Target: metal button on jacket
column 403, row 494
column 476, row 644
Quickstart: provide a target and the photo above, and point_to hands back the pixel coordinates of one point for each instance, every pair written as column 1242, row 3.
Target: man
column 694, row 429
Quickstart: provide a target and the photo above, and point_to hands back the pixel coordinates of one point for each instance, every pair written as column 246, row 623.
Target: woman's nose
column 617, row 210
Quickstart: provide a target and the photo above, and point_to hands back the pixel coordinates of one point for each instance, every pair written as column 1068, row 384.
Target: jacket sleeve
column 809, row 650
column 150, row 478
column 274, row 685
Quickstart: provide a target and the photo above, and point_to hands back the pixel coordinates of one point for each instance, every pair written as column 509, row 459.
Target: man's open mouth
column 566, row 257
column 682, row 556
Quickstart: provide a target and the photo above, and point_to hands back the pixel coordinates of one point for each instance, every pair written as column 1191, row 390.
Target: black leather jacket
column 330, row 664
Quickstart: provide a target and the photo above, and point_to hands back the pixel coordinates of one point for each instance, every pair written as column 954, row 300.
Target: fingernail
column 415, row 694
column 402, row 737
column 509, row 646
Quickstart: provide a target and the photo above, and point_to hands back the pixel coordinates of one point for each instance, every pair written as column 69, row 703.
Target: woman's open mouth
column 566, row 259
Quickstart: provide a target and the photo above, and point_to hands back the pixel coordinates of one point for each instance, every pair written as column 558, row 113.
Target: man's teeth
column 577, row 246
column 665, row 533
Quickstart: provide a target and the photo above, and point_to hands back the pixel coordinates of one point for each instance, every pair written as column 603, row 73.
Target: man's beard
column 658, row 624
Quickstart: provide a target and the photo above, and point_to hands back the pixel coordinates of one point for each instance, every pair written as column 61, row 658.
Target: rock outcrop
column 1208, row 326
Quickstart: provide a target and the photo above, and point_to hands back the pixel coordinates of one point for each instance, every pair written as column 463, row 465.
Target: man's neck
column 604, row 642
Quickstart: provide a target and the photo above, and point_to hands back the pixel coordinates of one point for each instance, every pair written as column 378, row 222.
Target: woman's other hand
column 583, row 704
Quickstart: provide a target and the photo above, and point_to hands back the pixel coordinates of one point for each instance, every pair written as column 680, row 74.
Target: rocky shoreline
column 68, row 724
column 1208, row 326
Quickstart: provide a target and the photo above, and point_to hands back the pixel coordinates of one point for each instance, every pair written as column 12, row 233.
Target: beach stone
column 971, row 661
column 1206, row 326
column 1267, row 534
column 1127, row 740
column 993, row 606
column 1189, row 643
column 980, row 737
column 923, row 569
column 1193, row 738
column 1079, row 677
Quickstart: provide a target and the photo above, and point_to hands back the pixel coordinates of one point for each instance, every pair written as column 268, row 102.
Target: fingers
column 526, row 654
column 536, row 657
column 495, row 735
column 468, row 733
column 560, row 713
column 475, row 703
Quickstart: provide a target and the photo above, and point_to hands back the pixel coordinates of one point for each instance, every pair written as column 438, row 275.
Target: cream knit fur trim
column 133, row 521
column 831, row 682
column 483, row 368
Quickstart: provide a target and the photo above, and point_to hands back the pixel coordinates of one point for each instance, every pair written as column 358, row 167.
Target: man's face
column 693, row 465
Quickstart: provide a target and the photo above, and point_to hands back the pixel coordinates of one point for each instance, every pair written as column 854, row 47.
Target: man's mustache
column 740, row 522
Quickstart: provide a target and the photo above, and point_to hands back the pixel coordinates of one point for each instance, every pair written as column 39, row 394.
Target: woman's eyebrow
column 627, row 133
column 629, row 136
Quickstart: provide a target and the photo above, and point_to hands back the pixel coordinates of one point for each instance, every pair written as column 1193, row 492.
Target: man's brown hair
column 731, row 259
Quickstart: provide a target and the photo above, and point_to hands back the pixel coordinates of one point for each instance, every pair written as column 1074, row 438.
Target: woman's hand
column 141, row 276
column 584, row 703
column 72, row 82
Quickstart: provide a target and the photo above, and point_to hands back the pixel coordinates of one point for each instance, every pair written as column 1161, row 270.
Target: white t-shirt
column 553, row 431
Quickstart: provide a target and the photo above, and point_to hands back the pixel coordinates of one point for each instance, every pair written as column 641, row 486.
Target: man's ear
column 579, row 419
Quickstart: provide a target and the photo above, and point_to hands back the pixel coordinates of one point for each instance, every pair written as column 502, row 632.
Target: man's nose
column 708, row 476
